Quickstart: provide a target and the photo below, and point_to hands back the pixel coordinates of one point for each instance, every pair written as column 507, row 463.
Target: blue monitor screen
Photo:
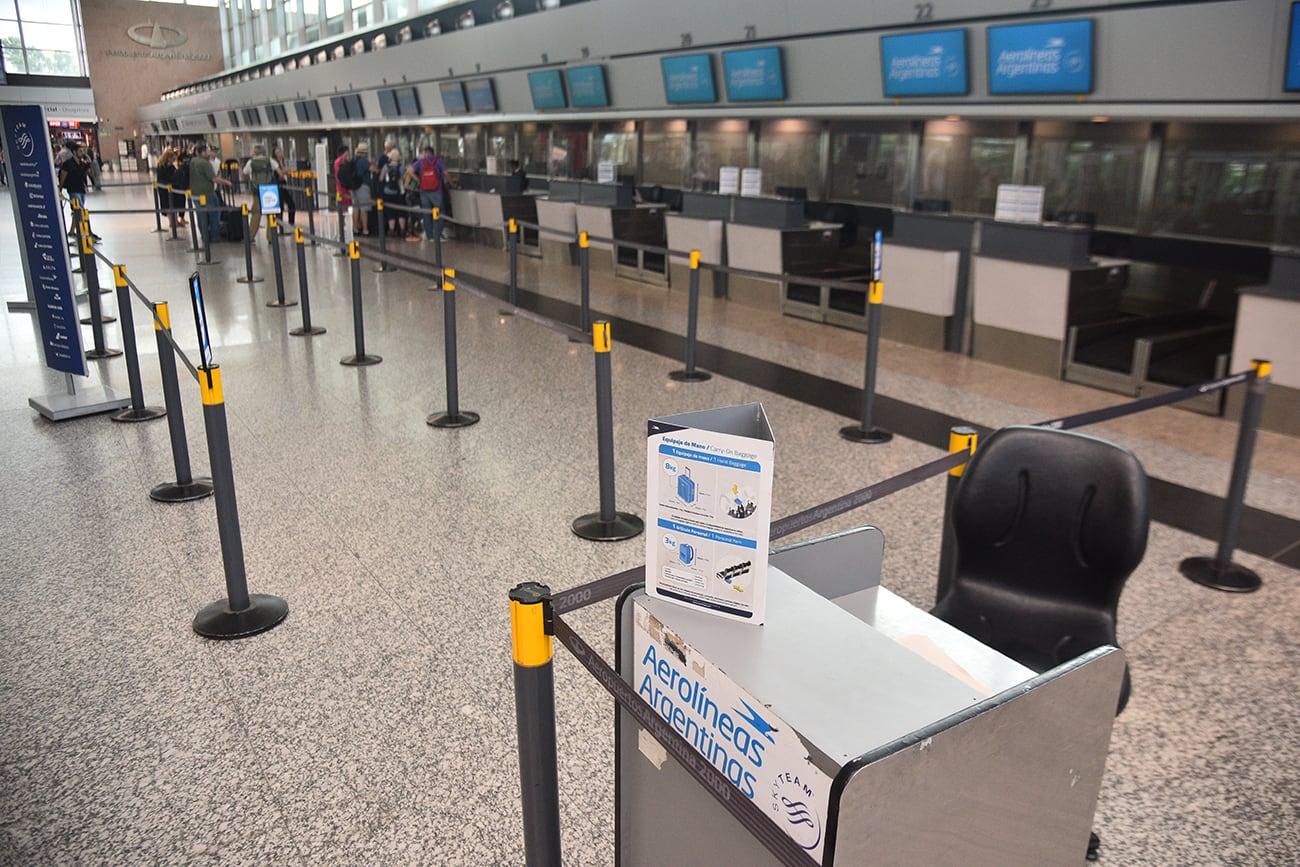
column 754, row 75
column 453, row 97
column 388, row 103
column 408, row 101
column 688, row 78
column 481, row 97
column 547, row 88
column 587, row 86
column 1055, row 57
column 1293, row 51
column 925, row 64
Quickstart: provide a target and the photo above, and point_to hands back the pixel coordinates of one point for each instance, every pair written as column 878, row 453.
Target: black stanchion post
column 437, row 246
column 343, row 220
column 137, row 411
column 512, row 244
column 864, row 432
column 90, row 272
column 359, row 359
column 171, row 212
column 584, row 259
column 240, row 614
column 186, row 487
column 690, row 374
column 307, row 328
column 1220, row 572
column 607, row 525
column 960, row 439
column 157, row 209
column 311, row 216
column 453, row 417
column 383, row 239
column 194, row 223
column 273, row 238
column 207, row 236
column 539, row 782
column 248, row 248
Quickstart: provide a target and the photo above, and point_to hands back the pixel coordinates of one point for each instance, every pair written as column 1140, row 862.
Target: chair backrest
column 1049, row 525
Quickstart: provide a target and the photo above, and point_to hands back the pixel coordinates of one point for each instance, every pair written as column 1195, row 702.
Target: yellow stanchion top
column 119, row 276
column 448, row 279
column 203, row 200
column 354, row 249
column 243, row 209
column 271, row 221
column 379, row 205
column 876, row 292
column 1262, row 367
column 961, row 440
column 435, row 213
column 514, row 227
column 162, row 318
column 583, row 241
column 297, row 235
column 695, row 260
column 87, row 243
column 210, row 384
column 529, row 641
column 600, row 336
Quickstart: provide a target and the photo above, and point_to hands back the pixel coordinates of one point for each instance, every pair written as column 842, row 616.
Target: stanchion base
column 104, row 319
column 384, row 269
column 157, row 231
column 856, row 433
column 360, row 360
column 219, row 622
column 624, row 526
column 307, row 332
column 174, row 492
column 504, row 312
column 247, row 280
column 209, row 261
column 278, row 303
column 1231, row 578
column 690, row 375
column 148, row 413
column 98, row 354
column 446, row 419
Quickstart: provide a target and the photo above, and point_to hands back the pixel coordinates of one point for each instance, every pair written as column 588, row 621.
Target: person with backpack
column 390, row 191
column 363, row 198
column 345, row 173
column 430, row 172
column 259, row 170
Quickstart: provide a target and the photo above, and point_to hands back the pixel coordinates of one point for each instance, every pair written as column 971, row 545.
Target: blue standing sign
column 39, row 216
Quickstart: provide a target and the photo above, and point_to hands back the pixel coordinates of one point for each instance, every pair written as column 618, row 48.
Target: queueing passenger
column 345, row 194
column 203, row 188
column 287, row 201
column 259, row 170
column 165, row 175
column 72, row 180
column 390, row 192
column 430, row 173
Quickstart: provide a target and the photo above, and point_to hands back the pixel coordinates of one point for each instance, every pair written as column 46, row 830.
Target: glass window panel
column 868, row 163
column 45, row 10
column 616, row 143
column 1234, row 181
column 666, row 153
column 1090, row 168
column 569, row 157
column 718, row 143
column 8, row 9
column 964, row 162
column 536, row 142
column 15, row 62
column 47, row 62
column 334, row 8
column 53, row 36
column 788, row 155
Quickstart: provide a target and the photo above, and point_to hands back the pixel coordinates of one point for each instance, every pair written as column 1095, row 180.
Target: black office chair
column 1049, row 524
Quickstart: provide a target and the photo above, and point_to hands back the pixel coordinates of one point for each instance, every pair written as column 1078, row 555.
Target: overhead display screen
column 688, row 78
column 453, row 97
column 388, row 103
column 480, row 94
column 925, row 64
column 753, row 75
column 1293, row 51
column 547, row 89
column 1055, row 57
column 408, row 101
column 587, row 86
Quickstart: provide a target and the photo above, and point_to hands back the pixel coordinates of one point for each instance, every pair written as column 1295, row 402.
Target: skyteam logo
column 794, row 809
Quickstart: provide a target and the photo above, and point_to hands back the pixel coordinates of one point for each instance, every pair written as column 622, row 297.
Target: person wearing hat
column 203, row 190
column 259, row 170
column 363, row 197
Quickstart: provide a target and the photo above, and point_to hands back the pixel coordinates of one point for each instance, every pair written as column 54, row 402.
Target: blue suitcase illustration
column 686, row 487
column 686, row 553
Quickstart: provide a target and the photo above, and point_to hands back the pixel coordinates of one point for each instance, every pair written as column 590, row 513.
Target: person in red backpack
column 429, row 172
column 344, row 155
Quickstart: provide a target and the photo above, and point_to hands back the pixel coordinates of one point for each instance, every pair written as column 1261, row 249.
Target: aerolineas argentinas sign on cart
column 762, row 755
column 708, row 491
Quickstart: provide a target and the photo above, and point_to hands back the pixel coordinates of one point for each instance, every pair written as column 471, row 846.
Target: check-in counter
column 762, row 231
column 692, row 233
column 491, row 220
column 598, row 223
column 643, row 225
column 559, row 222
column 1031, row 283
column 1268, row 323
column 926, row 265
column 464, row 210
column 522, row 208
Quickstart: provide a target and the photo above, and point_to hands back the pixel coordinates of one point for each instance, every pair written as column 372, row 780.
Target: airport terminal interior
column 376, row 723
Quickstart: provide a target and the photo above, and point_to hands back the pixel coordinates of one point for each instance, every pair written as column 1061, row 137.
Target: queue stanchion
column 157, row 209
column 960, row 439
column 512, row 243
column 344, row 222
column 454, row 416
column 273, row 238
column 241, row 614
column 207, row 236
column 359, row 358
column 690, row 374
column 172, row 219
column 607, row 525
column 89, row 261
column 311, row 216
column 584, row 291
column 194, row 223
column 248, row 248
column 137, row 411
column 186, row 487
column 307, row 329
column 1219, row 572
column 384, row 267
column 534, row 669
column 436, row 213
column 75, row 242
column 90, row 272
column 864, row 431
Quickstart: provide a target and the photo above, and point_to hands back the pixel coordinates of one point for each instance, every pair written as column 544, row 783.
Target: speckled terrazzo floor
column 375, row 726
